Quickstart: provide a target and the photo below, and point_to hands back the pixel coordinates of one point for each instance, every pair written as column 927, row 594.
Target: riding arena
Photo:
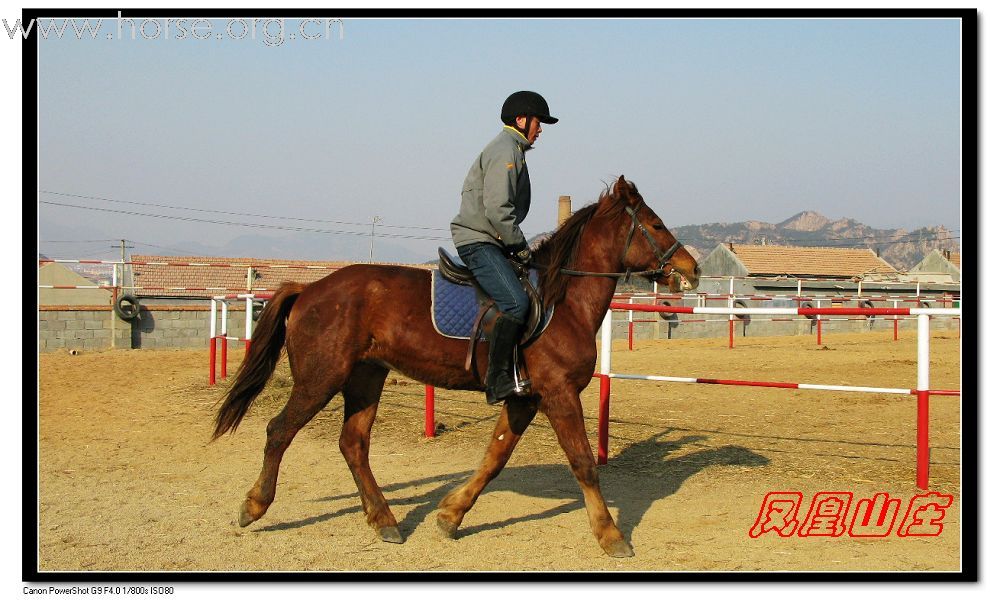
column 676, row 428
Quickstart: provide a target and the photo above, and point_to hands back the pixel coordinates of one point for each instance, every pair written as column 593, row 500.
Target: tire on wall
column 127, row 308
column 670, row 318
column 741, row 316
column 869, row 319
column 258, row 307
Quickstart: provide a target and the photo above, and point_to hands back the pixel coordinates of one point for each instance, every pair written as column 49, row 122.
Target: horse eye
column 659, row 227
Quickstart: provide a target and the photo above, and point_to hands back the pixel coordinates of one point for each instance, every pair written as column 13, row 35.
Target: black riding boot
column 500, row 373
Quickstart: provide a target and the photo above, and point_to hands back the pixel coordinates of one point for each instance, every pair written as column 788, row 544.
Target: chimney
column 565, row 210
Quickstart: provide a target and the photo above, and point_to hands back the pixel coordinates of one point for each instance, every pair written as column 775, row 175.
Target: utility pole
column 371, row 245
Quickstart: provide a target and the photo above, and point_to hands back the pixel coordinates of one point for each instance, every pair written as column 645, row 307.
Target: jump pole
column 631, row 325
column 732, row 288
column 922, row 391
column 249, row 322
column 895, row 322
column 923, row 400
column 429, row 411
column 211, row 344
column 604, row 409
column 223, row 339
column 819, row 327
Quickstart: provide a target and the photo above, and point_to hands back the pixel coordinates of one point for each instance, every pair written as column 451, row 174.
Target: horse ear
column 621, row 187
column 626, row 191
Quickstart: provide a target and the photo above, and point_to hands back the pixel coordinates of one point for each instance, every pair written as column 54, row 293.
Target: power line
column 138, row 243
column 237, row 214
column 74, row 241
column 255, row 225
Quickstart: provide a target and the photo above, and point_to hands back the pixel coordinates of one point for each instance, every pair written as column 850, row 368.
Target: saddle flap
column 452, row 271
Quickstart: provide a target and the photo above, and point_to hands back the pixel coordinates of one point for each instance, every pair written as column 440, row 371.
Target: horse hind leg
column 303, row 404
column 362, row 393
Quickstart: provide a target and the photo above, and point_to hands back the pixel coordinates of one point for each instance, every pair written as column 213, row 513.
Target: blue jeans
column 497, row 278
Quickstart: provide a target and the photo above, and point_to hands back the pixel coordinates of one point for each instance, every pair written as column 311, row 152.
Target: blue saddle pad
column 454, row 307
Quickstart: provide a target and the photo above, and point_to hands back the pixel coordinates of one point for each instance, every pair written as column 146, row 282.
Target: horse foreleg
column 302, row 406
column 567, row 421
column 515, row 416
column 361, row 397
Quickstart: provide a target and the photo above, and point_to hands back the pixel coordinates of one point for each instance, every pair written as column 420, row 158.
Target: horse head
column 648, row 244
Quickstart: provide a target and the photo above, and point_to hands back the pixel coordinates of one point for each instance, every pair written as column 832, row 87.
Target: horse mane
column 562, row 247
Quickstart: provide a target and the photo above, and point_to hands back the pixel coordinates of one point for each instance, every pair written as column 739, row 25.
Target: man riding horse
column 496, row 197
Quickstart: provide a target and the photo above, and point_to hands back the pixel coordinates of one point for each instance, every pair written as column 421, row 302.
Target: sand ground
column 127, row 480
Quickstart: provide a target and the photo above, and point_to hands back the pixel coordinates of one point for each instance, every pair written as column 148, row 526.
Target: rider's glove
column 521, row 253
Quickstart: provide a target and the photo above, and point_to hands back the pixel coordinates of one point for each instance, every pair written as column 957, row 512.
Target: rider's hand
column 521, row 253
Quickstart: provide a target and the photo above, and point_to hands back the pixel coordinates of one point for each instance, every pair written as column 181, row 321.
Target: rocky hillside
column 901, row 248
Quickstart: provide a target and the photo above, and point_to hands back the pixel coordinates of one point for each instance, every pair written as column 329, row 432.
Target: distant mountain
column 805, row 221
column 901, row 248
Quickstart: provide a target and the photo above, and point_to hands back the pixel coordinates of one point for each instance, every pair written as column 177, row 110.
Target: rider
column 496, row 196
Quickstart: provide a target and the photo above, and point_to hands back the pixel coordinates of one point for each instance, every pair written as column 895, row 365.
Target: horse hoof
column 620, row 549
column 449, row 529
column 391, row 535
column 245, row 518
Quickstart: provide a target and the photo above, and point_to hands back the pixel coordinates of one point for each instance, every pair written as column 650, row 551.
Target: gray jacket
column 496, row 194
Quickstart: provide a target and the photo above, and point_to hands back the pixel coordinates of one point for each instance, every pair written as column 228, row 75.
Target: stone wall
column 90, row 328
column 694, row 326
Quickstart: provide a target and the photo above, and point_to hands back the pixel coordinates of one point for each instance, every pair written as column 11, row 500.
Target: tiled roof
column 225, row 275
column 802, row 261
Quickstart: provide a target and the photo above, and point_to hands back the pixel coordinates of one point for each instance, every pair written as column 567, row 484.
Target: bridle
column 662, row 256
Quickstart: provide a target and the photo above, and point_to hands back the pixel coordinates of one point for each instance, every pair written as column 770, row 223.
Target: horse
column 345, row 332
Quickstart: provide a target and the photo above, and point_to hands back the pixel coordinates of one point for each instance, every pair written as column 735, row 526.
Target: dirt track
column 128, row 482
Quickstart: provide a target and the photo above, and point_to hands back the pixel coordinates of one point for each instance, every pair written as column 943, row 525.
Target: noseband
column 661, row 256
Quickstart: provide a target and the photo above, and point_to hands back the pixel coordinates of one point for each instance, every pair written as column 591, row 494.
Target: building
column 792, row 276
column 945, row 263
column 181, row 280
column 741, row 260
column 178, row 278
column 55, row 274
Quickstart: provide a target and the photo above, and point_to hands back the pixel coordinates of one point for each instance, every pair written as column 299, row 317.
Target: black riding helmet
column 526, row 103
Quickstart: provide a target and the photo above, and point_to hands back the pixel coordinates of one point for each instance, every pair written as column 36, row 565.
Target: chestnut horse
column 345, row 332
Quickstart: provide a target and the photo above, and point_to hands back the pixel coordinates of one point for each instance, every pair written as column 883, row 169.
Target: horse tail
column 260, row 361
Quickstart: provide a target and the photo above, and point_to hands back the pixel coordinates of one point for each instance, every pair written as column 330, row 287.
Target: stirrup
column 522, row 383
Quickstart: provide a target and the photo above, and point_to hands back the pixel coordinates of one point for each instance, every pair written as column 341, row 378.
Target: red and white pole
column 249, row 321
column 895, row 322
column 429, row 411
column 732, row 289
column 819, row 327
column 923, row 400
column 224, row 358
column 211, row 360
column 222, row 338
column 631, row 324
column 604, row 409
column 211, row 344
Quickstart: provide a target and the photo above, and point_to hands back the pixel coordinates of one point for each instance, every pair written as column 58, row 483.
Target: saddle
column 486, row 318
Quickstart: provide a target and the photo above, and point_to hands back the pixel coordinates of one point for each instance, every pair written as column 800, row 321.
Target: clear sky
column 714, row 120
